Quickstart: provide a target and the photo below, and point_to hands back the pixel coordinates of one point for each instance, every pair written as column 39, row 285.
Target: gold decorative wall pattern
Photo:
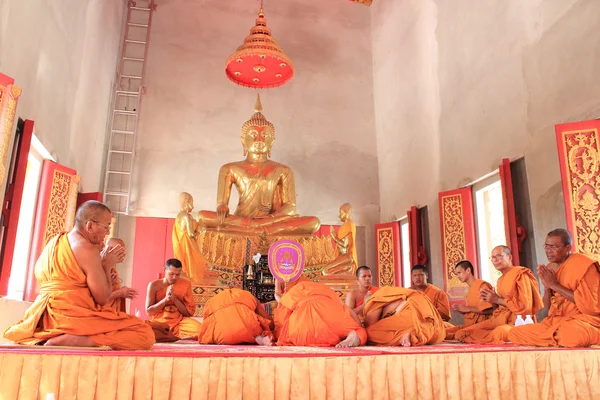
column 388, row 253
column 579, row 156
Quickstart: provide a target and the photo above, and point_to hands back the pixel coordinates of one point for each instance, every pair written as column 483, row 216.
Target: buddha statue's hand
column 222, row 212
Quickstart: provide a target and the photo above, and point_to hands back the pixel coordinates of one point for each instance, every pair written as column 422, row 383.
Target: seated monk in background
column 267, row 194
column 170, row 300
column 119, row 293
column 397, row 316
column 74, row 287
column 475, row 310
column 572, row 295
column 356, row 299
column 518, row 294
column 234, row 316
column 311, row 314
column 438, row 297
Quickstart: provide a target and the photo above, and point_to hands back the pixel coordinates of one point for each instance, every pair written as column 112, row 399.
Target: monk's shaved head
column 563, row 234
column 504, row 249
column 113, row 241
column 91, row 210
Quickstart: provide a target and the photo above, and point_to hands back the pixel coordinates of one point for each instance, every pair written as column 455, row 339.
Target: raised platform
column 188, row 370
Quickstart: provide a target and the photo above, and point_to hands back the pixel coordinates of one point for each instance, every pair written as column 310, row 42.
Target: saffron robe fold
column 520, row 291
column 117, row 304
column 65, row 306
column 440, row 301
column 372, row 291
column 230, row 318
column 180, row 326
column 568, row 324
column 473, row 300
column 417, row 317
column 311, row 314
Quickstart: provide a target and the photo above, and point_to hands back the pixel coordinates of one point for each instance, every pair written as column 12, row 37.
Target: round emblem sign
column 286, row 260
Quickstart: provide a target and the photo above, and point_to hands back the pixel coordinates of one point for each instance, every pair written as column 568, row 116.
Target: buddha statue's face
column 258, row 140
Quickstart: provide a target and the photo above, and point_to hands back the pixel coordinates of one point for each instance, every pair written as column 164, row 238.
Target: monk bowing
column 311, row 314
column 438, row 297
column 572, row 290
column 234, row 316
column 356, row 299
column 402, row 317
column 476, row 310
column 74, row 287
column 170, row 301
column 518, row 294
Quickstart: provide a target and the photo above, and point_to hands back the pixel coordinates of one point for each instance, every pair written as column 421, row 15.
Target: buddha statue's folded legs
column 272, row 225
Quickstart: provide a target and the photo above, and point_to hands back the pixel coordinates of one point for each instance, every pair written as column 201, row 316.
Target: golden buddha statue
column 346, row 261
column 267, row 196
column 185, row 246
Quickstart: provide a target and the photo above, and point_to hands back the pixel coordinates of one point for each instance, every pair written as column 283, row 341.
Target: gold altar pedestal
column 227, row 253
column 341, row 284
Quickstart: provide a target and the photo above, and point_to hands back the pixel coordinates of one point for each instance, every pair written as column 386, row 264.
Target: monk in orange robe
column 475, row 310
column 518, row 294
column 397, row 316
column 356, row 299
column 438, row 297
column 234, row 316
column 119, row 293
column 311, row 314
column 572, row 283
column 74, row 287
column 170, row 301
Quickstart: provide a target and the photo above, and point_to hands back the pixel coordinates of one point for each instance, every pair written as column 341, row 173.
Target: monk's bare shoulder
column 85, row 253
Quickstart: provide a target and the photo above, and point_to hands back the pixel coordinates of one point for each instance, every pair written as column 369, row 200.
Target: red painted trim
column 6, row 80
column 415, row 228
column 12, row 204
column 41, row 217
column 83, row 197
column 397, row 254
column 510, row 217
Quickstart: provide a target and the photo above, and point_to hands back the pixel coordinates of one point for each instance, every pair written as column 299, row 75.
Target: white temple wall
column 63, row 55
column 192, row 115
column 460, row 85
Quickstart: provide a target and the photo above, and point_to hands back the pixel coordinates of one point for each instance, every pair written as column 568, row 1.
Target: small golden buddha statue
column 267, row 196
column 185, row 246
column 346, row 260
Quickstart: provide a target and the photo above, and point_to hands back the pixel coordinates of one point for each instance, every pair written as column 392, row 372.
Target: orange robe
column 473, row 300
column 180, row 326
column 230, row 318
column 568, row 324
column 186, row 250
column 440, row 301
column 313, row 315
column 520, row 290
column 417, row 317
column 118, row 304
column 65, row 305
column 372, row 291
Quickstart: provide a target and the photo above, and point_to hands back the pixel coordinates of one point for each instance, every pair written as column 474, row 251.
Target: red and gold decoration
column 389, row 261
column 9, row 95
column 365, row 2
column 57, row 202
column 259, row 63
column 579, row 156
column 458, row 238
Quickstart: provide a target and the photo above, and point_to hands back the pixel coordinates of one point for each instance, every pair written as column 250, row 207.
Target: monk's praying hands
column 489, row 296
column 547, row 276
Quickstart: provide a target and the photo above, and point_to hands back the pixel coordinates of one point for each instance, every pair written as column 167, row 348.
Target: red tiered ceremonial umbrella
column 259, row 63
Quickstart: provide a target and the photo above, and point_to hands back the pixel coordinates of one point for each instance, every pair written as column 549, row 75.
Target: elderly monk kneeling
column 74, row 287
column 170, row 301
column 397, row 316
column 234, row 316
column 311, row 314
